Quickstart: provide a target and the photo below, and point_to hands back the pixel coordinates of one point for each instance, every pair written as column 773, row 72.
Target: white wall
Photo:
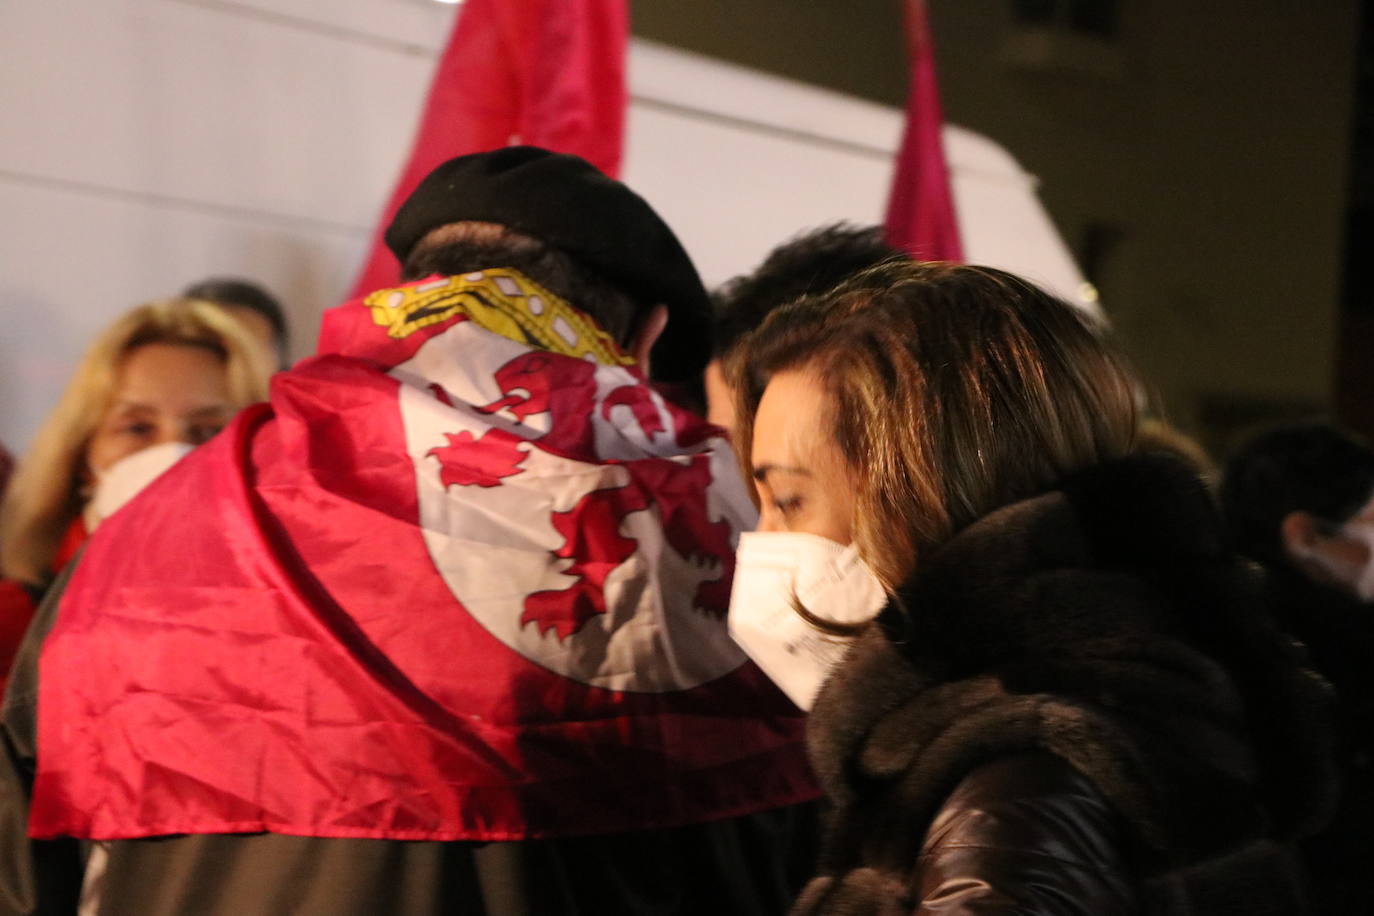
column 146, row 144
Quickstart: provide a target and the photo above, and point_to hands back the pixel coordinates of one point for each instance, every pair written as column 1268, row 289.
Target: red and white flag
column 548, row 73
column 464, row 577
column 920, row 210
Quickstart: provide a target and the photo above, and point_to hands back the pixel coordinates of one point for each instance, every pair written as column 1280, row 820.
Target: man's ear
column 647, row 334
column 720, row 397
column 1299, row 534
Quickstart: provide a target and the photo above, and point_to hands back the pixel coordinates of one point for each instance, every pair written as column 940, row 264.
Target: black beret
column 566, row 202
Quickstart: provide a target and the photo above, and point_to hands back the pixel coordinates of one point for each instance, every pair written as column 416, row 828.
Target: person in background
column 1039, row 681
column 166, row 372
column 256, row 308
column 1299, row 499
column 811, row 262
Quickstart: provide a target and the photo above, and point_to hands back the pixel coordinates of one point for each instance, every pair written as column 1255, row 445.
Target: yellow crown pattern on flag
column 505, row 302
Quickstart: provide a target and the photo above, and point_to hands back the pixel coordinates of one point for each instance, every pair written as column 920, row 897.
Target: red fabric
column 16, row 604
column 547, row 73
column 16, row 610
column 920, row 210
column 290, row 657
column 70, row 544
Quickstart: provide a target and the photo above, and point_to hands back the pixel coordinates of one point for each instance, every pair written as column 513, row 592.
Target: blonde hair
column 44, row 496
column 954, row 390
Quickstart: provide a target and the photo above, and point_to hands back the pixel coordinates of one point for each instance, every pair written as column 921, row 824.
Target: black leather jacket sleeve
column 1025, row 834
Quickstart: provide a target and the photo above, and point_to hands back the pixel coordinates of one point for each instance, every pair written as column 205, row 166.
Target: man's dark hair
column 234, row 291
column 810, row 263
column 461, row 248
column 1306, row 467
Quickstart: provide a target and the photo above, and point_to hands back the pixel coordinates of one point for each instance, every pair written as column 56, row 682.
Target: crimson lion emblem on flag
column 564, row 510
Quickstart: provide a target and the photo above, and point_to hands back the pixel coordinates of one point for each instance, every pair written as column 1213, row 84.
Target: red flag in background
column 920, row 210
column 547, row 73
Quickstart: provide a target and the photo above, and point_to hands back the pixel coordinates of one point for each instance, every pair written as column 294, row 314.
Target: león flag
column 464, row 577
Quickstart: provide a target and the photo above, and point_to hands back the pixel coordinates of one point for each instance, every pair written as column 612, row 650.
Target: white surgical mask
column 775, row 569
column 122, row 481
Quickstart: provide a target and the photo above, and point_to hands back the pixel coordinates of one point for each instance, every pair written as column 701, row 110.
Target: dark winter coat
column 1338, row 630
column 1076, row 706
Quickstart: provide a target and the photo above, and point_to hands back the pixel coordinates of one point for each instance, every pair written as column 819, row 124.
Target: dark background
column 1209, row 163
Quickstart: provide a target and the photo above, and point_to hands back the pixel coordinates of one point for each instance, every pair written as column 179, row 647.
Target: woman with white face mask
column 162, row 379
column 1039, row 682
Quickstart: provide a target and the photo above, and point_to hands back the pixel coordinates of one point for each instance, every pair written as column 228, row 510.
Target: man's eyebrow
column 763, row 470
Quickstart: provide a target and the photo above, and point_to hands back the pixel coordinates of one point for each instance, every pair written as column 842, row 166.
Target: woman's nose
column 176, row 432
column 770, row 520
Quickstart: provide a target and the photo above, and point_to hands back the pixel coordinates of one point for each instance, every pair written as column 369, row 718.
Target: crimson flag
column 547, row 73
column 464, row 577
column 920, row 210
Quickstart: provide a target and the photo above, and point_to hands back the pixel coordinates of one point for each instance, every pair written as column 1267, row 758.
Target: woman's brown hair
column 954, row 390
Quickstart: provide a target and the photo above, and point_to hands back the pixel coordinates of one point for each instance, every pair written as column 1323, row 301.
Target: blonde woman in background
column 166, row 372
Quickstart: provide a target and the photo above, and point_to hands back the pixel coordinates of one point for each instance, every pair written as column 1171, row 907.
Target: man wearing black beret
column 441, row 628
column 585, row 236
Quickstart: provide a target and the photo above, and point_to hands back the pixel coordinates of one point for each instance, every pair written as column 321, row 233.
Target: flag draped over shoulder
column 920, row 210
column 548, row 73
column 464, row 577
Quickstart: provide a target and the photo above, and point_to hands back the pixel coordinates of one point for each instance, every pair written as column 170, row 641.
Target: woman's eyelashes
column 138, row 428
column 192, row 433
column 199, row 435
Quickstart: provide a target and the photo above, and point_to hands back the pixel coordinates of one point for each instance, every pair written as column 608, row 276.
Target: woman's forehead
column 789, row 427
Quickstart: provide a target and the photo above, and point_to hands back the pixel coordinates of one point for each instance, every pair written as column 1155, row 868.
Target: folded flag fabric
column 547, row 73
column 464, row 577
column 921, row 218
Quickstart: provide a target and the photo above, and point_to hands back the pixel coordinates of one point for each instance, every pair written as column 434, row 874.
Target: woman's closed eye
column 139, row 428
column 203, row 432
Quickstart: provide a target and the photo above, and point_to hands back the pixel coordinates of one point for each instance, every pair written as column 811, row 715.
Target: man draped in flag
column 441, row 628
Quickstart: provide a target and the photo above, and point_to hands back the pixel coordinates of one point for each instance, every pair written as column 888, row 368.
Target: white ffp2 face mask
column 123, row 480
column 775, row 569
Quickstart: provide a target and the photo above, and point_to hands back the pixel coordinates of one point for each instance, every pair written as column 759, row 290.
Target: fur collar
column 1104, row 622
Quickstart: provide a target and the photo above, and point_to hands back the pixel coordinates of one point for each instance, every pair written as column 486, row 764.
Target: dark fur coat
column 1106, row 624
